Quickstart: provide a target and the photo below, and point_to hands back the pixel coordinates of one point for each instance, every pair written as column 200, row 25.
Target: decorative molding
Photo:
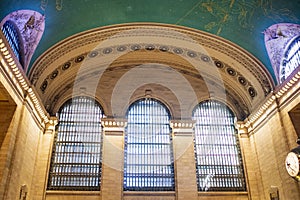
column 184, row 124
column 20, row 81
column 238, row 77
column 96, row 53
column 162, row 30
column 50, row 126
column 114, row 126
column 182, row 127
column 242, row 129
column 287, row 91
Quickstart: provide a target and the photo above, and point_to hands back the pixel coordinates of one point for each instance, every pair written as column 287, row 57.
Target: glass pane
column 76, row 156
column 291, row 59
column 12, row 37
column 149, row 164
column 218, row 157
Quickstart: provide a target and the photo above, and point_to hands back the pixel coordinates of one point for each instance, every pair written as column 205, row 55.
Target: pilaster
column 43, row 160
column 113, row 158
column 184, row 156
column 250, row 161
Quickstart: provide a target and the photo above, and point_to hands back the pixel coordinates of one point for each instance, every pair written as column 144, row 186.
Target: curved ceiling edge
column 206, row 39
column 241, row 69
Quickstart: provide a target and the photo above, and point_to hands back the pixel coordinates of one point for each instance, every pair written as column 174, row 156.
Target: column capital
column 114, row 126
column 182, row 127
column 242, row 129
column 50, row 125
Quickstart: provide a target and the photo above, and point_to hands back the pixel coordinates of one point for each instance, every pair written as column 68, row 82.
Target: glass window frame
column 219, row 164
column 76, row 160
column 157, row 173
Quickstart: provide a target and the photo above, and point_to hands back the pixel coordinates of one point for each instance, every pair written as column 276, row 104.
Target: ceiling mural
column 239, row 21
column 223, row 12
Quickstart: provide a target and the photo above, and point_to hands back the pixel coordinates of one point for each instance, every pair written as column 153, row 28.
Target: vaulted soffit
column 96, row 62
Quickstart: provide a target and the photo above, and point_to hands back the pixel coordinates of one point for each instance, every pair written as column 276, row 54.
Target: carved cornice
column 288, row 91
column 20, row 82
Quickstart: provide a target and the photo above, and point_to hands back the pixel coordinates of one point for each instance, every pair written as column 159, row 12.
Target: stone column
column 43, row 159
column 184, row 157
column 113, row 158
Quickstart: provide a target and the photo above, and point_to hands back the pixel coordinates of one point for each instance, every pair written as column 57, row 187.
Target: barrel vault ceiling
column 239, row 21
column 230, row 32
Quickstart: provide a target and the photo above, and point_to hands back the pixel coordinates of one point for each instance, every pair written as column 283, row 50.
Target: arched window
column 149, row 164
column 218, row 157
column 76, row 155
column 291, row 58
column 12, row 35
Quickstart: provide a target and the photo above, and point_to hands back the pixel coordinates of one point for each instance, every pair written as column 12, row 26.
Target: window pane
column 76, row 156
column 218, row 157
column 11, row 34
column 149, row 162
column 291, row 59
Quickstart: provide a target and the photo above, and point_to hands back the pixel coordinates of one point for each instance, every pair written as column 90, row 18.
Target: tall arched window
column 149, row 164
column 76, row 156
column 291, row 58
column 13, row 37
column 218, row 157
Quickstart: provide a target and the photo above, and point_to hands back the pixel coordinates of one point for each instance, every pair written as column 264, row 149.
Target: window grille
column 76, row 156
column 218, row 156
column 149, row 164
column 12, row 36
column 291, row 59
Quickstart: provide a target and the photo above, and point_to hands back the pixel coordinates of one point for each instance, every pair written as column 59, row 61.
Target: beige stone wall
column 18, row 153
column 26, row 150
column 63, row 195
column 222, row 196
column 112, row 167
column 6, row 152
column 270, row 142
column 43, row 160
column 20, row 140
column 24, row 154
column 252, row 172
column 149, row 196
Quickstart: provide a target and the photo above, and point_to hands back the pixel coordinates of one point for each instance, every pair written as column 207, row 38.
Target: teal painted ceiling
column 240, row 21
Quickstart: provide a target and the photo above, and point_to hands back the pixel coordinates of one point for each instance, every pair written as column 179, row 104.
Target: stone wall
column 272, row 141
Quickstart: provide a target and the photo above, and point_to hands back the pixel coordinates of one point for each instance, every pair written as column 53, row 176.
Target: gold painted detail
column 223, row 13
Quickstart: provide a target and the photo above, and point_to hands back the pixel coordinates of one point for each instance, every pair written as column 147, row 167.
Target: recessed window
column 291, row 58
column 76, row 156
column 218, row 156
column 12, row 36
column 149, row 164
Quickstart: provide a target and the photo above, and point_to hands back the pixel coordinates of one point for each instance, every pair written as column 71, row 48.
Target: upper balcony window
column 76, row 155
column 219, row 164
column 291, row 58
column 13, row 37
column 149, row 164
